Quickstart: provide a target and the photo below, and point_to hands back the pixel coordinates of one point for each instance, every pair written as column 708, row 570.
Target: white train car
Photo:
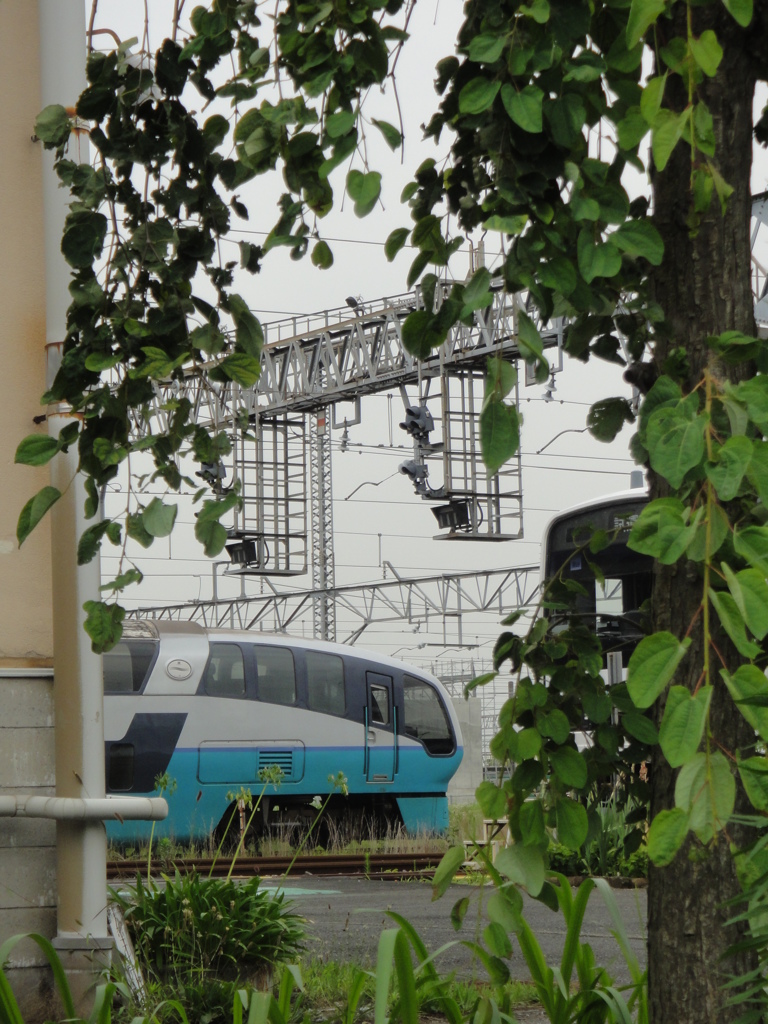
column 212, row 707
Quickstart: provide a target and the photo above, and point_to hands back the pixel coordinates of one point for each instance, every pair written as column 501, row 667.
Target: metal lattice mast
column 321, row 503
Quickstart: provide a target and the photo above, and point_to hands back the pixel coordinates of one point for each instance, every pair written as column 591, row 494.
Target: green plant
column 201, row 938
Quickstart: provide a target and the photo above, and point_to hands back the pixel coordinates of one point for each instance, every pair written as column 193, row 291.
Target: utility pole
column 323, row 568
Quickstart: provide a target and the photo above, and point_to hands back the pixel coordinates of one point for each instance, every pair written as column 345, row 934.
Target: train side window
column 380, row 705
column 325, row 683
column 127, row 665
column 276, row 674
column 225, row 673
column 424, row 717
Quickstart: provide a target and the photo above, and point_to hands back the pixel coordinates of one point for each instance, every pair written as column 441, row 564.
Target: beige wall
column 25, row 577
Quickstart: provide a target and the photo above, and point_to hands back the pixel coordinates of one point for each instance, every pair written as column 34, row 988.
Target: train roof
column 155, row 629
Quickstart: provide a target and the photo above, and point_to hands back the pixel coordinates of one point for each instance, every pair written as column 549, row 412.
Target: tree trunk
column 704, row 288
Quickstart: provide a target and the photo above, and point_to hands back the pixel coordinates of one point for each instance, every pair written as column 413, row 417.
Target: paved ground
column 346, row 916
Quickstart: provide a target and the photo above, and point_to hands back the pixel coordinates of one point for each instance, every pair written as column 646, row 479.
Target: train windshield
column 425, row 717
column 127, row 665
column 615, row 604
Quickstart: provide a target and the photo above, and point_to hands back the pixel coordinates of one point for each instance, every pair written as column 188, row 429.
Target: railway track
column 379, row 865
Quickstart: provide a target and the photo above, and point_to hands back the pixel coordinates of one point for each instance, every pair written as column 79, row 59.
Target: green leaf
column 606, row 419
column 661, row 531
column 34, row 510
column 248, row 333
column 478, row 95
column 528, row 338
column 212, row 535
column 526, row 744
column 559, row 274
column 749, row 689
column 499, row 433
column 322, row 256
column 158, row 519
column 652, row 665
column 36, row 450
column 710, row 529
column 505, row 908
column 83, row 238
column 642, row 14
column 571, row 822
column 733, row 460
column 134, row 528
column 640, row 238
column 653, row 93
column 459, row 912
column 395, row 242
column 524, row 107
column 420, row 335
column 569, row 766
column 90, row 541
column 675, row 439
column 752, row 544
column 750, row 592
column 631, row 129
column 733, row 623
column 241, row 368
column 364, row 189
column 103, row 624
column 665, row 134
column 740, row 11
column 601, row 259
column 477, row 293
column 754, row 777
column 666, row 835
column 123, row 580
column 553, row 725
column 486, row 48
column 509, row 225
column 707, row 52
column 523, row 865
column 640, row 727
column 446, row 869
column 392, row 136
column 532, row 825
column 597, row 707
column 682, row 726
column 53, row 125
column 706, row 790
column 340, row 123
column 538, row 10
column 492, row 800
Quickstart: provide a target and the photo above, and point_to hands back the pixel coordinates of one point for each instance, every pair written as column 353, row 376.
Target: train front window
column 325, row 683
column 127, row 665
column 276, row 674
column 424, row 717
column 225, row 673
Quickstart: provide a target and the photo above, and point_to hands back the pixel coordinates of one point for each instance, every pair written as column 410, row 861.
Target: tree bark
column 703, row 287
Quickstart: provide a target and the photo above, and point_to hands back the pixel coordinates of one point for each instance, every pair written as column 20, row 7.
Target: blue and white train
column 212, row 707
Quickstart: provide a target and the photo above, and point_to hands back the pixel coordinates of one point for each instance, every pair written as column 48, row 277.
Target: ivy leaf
column 569, row 766
column 83, row 238
column 524, row 107
column 364, row 189
column 676, row 439
column 34, row 510
column 640, row 238
column 750, row 592
column 653, row 93
column 476, row 293
column 751, row 543
column 248, row 333
column 733, row 460
column 661, row 531
column 505, row 907
column 322, row 256
column 665, row 134
column 446, row 869
column 733, row 623
column 706, row 791
column 53, row 125
column 601, row 259
column 241, row 368
column 36, row 450
column 666, row 835
column 642, row 14
column 606, row 418
column 340, row 123
column 392, row 136
column 134, row 527
column 478, row 95
column 707, row 52
column 486, row 48
column 123, row 580
column 492, row 800
column 523, row 865
column 740, row 11
column 571, row 822
column 632, row 129
column 640, row 727
column 682, row 726
column 652, row 665
column 395, row 242
column 528, row 338
column 103, row 624
column 158, row 519
column 420, row 335
column 90, row 541
column 212, row 535
column 459, row 912
column 749, row 689
column 754, row 777
column 499, row 433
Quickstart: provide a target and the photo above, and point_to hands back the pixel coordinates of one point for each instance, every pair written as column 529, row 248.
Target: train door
column 380, row 728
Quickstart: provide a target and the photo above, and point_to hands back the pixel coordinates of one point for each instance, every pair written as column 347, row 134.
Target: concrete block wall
column 27, row 845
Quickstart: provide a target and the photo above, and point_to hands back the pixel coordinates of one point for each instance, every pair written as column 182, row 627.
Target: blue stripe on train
column 196, row 807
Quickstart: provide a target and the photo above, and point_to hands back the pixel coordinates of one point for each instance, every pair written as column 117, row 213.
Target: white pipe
column 110, row 808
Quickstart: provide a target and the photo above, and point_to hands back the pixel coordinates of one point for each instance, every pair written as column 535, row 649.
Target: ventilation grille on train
column 282, row 758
